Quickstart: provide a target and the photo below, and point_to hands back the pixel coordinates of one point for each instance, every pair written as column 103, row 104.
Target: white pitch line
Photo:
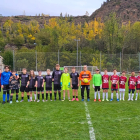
column 91, row 129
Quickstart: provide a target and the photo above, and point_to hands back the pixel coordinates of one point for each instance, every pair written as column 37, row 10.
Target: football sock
column 35, row 96
column 43, row 96
column 46, row 96
column 4, row 96
column 132, row 95
column 51, row 96
column 120, row 95
column 16, row 97
column 107, row 95
column 103, row 95
column 76, row 96
column 8, row 95
column 68, row 98
column 95, row 95
column 123, row 95
column 38, row 95
column 73, row 96
column 59, row 95
column 129, row 96
column 117, row 95
column 28, row 97
column 22, row 98
column 111, row 95
column 11, row 97
column 55, row 95
column 136, row 95
column 98, row 95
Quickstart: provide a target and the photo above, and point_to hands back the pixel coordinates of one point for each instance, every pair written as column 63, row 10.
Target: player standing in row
column 5, row 76
column 65, row 83
column 48, row 80
column 32, row 88
column 114, row 84
column 137, row 85
column 105, row 85
column 97, row 84
column 132, row 84
column 74, row 83
column 24, row 77
column 85, row 74
column 14, row 86
column 56, row 76
column 122, row 81
column 40, row 85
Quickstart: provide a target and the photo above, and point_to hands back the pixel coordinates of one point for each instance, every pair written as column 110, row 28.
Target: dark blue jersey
column 39, row 80
column 56, row 75
column 24, row 79
column 74, row 77
column 48, row 80
column 32, row 82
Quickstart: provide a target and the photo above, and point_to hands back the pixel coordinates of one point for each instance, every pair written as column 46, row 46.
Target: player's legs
column 11, row 96
column 51, row 95
column 129, row 95
column 98, row 88
column 137, row 94
column 73, row 94
column 47, row 95
column 38, row 94
column 68, row 94
column 106, row 91
column 103, row 94
column 88, row 92
column 112, row 90
column 95, row 93
column 17, row 91
column 133, row 90
column 82, row 91
column 42, row 91
column 117, row 95
column 22, row 96
column 76, row 92
column 8, row 93
column 22, row 89
column 35, row 96
column 120, row 90
column 30, row 96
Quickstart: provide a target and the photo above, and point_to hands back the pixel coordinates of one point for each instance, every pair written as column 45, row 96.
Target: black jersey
column 48, row 80
column 24, row 79
column 39, row 80
column 56, row 75
column 14, row 83
column 74, row 77
column 32, row 82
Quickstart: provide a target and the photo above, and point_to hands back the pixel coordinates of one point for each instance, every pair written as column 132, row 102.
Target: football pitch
column 70, row 120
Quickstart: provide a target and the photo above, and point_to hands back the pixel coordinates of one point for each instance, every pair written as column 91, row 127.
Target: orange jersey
column 85, row 74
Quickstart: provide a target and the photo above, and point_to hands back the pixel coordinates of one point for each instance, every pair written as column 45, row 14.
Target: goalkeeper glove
column 61, row 84
column 69, row 85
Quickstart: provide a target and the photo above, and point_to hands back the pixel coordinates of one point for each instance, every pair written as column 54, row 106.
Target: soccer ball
column 85, row 80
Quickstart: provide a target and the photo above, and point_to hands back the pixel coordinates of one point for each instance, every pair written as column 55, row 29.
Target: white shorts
column 122, row 90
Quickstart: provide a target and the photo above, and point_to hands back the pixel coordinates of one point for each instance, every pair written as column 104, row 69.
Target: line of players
column 29, row 84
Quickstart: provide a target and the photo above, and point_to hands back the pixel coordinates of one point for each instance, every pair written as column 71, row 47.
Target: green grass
column 67, row 120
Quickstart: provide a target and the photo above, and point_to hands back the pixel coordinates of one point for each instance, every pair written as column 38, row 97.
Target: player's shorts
column 32, row 89
column 97, row 88
column 114, row 89
column 133, row 90
column 40, row 89
column 122, row 90
column 138, row 88
column 105, row 88
column 57, row 87
column 6, row 88
column 15, row 90
column 74, row 86
column 48, row 88
column 65, row 87
column 24, row 89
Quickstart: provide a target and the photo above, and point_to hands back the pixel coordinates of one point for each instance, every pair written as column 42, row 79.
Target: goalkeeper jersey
column 97, row 80
column 65, row 79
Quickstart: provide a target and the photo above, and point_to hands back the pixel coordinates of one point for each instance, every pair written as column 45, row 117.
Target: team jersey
column 5, row 76
column 39, row 80
column 14, row 83
column 56, row 75
column 24, row 79
column 132, row 82
column 122, row 81
column 114, row 79
column 138, row 82
column 105, row 81
column 65, row 79
column 32, row 82
column 74, row 77
column 97, row 80
column 48, row 80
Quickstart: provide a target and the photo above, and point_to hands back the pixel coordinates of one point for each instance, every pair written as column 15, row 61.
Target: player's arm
column 27, row 81
column 35, row 81
column 93, row 81
column 61, row 80
column 10, row 78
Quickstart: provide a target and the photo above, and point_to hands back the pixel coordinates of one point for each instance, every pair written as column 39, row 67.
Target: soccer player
column 74, row 83
column 40, row 85
column 14, row 85
column 32, row 83
column 97, row 84
column 122, row 81
column 105, row 85
column 24, row 77
column 56, row 75
column 85, row 74
column 132, row 83
column 48, row 80
column 65, row 83
column 114, row 85
column 5, row 76
column 137, row 85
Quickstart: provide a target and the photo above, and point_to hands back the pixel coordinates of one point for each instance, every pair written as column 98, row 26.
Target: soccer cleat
column 77, row 99
column 94, row 100
column 21, row 101
column 46, row 100
column 31, row 100
column 82, row 100
column 35, row 100
column 38, row 101
column 43, row 101
column 107, row 100
column 88, row 100
column 99, row 100
column 70, row 100
column 118, row 100
column 111, row 100
column 103, row 100
column 128, row 99
column 17, row 101
column 63, row 100
column 10, row 102
column 73, row 99
column 3, row 102
column 135, row 99
column 28, row 100
column 51, row 100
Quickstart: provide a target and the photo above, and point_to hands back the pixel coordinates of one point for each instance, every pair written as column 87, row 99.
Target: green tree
column 8, row 58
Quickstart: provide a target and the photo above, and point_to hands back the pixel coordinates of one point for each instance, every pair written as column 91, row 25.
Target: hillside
column 126, row 10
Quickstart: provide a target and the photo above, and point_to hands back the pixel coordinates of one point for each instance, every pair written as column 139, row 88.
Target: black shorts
column 133, row 90
column 48, row 88
column 97, row 88
column 114, row 89
column 6, row 88
column 15, row 90
column 40, row 89
column 74, row 86
column 24, row 89
column 32, row 89
column 57, row 87
column 138, row 88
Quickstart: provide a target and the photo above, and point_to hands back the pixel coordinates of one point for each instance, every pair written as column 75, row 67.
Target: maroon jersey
column 132, row 82
column 114, row 79
column 138, row 82
column 122, row 81
column 105, row 81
